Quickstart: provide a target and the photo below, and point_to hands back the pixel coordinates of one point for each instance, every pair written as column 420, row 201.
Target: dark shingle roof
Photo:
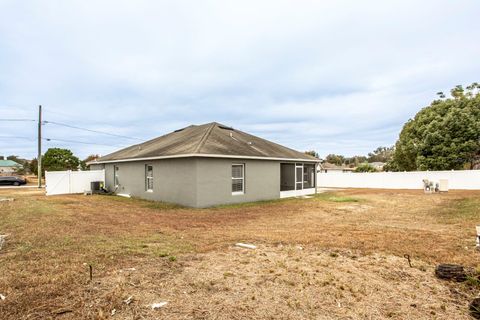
column 207, row 139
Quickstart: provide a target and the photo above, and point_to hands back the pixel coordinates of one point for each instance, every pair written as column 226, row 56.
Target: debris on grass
column 113, row 312
column 2, row 297
column 2, row 240
column 159, row 305
column 6, row 199
column 125, row 195
column 63, row 311
column 128, row 300
column 474, row 308
column 245, row 245
column 128, row 269
column 451, row 272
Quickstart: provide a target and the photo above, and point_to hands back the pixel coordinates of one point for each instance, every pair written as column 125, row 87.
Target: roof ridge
column 204, row 138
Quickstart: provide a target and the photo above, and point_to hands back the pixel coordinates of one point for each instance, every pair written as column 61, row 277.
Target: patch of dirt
column 287, row 282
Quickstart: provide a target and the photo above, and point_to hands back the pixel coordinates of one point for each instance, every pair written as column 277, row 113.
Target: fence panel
column 65, row 182
column 460, row 179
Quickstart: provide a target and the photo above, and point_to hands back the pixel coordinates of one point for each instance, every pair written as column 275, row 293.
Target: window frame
column 236, row 193
column 147, row 178
column 115, row 176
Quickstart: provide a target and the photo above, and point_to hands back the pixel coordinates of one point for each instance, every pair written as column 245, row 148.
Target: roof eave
column 203, row 155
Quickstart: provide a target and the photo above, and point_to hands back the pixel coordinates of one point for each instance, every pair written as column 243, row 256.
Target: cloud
column 337, row 76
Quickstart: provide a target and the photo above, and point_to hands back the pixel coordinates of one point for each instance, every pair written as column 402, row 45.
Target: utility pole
column 39, row 156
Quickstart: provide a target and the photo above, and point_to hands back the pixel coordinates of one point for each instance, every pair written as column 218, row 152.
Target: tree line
column 442, row 136
column 54, row 159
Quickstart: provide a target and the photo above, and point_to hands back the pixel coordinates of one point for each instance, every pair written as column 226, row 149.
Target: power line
column 91, row 130
column 15, row 137
column 82, row 142
column 17, row 120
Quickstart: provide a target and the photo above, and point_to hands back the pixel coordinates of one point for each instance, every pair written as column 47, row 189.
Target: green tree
column 33, row 166
column 83, row 163
column 381, row 154
column 442, row 136
column 354, row 161
column 335, row 159
column 57, row 159
column 365, row 167
column 313, row 153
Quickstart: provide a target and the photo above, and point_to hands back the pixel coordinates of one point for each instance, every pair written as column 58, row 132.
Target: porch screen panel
column 309, row 176
column 299, row 179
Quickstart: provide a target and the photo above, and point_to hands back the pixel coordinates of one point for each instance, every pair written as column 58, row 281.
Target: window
column 238, row 179
column 115, row 176
column 148, row 178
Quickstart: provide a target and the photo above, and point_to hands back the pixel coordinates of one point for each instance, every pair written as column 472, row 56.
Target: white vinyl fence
column 461, row 179
column 64, row 182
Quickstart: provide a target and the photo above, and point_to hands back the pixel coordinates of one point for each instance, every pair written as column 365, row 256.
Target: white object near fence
column 459, row 179
column 478, row 237
column 65, row 182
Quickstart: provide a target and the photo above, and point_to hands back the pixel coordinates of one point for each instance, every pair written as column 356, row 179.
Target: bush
column 365, row 167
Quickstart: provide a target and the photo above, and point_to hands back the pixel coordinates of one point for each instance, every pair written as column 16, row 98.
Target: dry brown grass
column 51, row 238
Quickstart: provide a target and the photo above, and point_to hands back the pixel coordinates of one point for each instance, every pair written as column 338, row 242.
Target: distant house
column 377, row 165
column 207, row 165
column 9, row 166
column 330, row 167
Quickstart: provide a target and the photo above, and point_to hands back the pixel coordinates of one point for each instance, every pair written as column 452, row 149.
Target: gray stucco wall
column 196, row 182
column 174, row 180
column 214, row 178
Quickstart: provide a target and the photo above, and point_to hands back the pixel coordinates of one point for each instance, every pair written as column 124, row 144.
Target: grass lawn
column 336, row 255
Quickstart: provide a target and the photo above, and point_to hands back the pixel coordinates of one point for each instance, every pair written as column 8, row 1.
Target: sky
column 333, row 76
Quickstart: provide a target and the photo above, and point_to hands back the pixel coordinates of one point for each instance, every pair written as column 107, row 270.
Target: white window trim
column 148, row 178
column 115, row 176
column 237, row 193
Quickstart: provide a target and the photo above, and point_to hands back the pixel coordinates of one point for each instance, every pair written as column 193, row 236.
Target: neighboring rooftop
column 208, row 139
column 332, row 166
column 9, row 163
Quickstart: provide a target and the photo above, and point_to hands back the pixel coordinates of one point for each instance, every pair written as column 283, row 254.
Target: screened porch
column 297, row 179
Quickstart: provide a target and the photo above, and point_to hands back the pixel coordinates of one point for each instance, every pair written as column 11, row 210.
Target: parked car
column 13, row 181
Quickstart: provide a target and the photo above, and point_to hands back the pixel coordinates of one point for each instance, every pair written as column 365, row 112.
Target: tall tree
column 354, row 161
column 57, row 159
column 335, row 159
column 381, row 154
column 17, row 159
column 313, row 153
column 442, row 136
column 33, row 166
column 83, row 163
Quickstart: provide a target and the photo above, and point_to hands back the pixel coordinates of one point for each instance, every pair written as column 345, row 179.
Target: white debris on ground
column 2, row 297
column 6, row 199
column 128, row 300
column 125, row 195
column 2, row 240
column 245, row 245
column 113, row 312
column 159, row 305
column 128, row 269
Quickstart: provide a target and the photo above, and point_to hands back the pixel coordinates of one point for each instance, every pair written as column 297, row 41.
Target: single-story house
column 331, row 167
column 377, row 165
column 9, row 166
column 207, row 165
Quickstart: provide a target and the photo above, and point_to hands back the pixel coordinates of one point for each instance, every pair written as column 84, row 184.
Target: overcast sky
column 333, row 76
